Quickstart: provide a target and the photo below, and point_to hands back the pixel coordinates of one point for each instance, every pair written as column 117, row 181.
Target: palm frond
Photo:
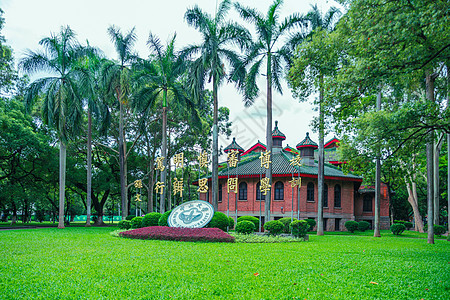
column 222, row 11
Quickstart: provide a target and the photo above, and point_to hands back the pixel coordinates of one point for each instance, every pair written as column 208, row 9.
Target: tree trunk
column 430, row 172
column 413, row 201
column 448, row 180
column 123, row 185
column 269, row 140
column 62, row 183
column 215, row 154
column 151, row 176
column 376, row 232
column 162, row 199
column 437, row 151
column 320, row 172
column 89, row 170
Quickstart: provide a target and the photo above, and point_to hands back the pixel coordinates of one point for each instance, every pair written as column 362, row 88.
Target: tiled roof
column 290, row 149
column 331, row 142
column 307, row 142
column 233, row 146
column 276, row 133
column 259, row 144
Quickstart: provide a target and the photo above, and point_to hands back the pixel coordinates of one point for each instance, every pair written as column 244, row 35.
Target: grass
column 81, row 263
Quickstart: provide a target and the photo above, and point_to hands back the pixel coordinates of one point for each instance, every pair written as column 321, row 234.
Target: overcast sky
column 28, row 21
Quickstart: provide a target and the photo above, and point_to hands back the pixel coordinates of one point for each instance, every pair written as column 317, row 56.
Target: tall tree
column 269, row 49
column 62, row 108
column 217, row 35
column 116, row 78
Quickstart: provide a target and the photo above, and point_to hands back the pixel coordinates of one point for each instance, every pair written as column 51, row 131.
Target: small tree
column 351, row 226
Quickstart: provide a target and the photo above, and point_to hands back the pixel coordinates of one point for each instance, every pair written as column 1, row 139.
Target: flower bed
column 179, row 234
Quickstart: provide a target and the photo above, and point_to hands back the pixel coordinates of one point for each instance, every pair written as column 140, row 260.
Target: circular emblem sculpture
column 192, row 214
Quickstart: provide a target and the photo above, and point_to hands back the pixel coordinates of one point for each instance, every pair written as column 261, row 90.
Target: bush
column 299, row 228
column 363, row 225
column 351, row 226
column 252, row 219
column 311, row 223
column 179, row 234
column 219, row 220
column 397, row 228
column 129, row 217
column 124, row 224
column 246, row 227
column 151, row 219
column 136, row 222
column 286, row 222
column 274, row 227
column 163, row 219
column 408, row 225
column 399, row 222
column 439, row 229
column 230, row 223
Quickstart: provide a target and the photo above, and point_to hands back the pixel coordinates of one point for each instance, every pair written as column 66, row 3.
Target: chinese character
column 265, row 185
column 203, row 185
column 159, row 187
column 232, row 158
column 296, row 161
column 138, row 184
column 138, row 198
column 265, row 159
column 178, row 186
column 160, row 163
column 232, row 185
column 203, row 159
column 178, row 160
column 296, row 182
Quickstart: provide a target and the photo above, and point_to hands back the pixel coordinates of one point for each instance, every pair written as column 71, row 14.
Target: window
column 325, row 195
column 220, row 192
column 337, row 224
column 279, row 191
column 337, row 195
column 367, row 203
column 258, row 193
column 310, row 192
column 243, row 191
column 325, row 223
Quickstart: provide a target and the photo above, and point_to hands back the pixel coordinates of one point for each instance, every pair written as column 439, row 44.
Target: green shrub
column 219, row 220
column 129, row 217
column 286, row 222
column 408, row 225
column 230, row 223
column 246, row 227
column 299, row 228
column 274, row 227
column 399, row 222
column 351, row 226
column 151, row 219
column 163, row 219
column 124, row 224
column 136, row 222
column 363, row 225
column 397, row 228
column 439, row 229
column 311, row 223
column 252, row 219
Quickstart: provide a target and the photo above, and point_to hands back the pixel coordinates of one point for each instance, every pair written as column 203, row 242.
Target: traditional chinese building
column 344, row 198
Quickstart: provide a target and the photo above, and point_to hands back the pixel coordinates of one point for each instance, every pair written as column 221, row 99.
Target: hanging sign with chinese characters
column 191, row 214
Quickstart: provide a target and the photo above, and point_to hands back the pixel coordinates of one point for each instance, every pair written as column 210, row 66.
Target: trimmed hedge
column 130, row 217
column 286, row 222
column 299, row 228
column 363, row 225
column 230, row 223
column 311, row 223
column 245, row 227
column 179, row 234
column 151, row 219
column 252, row 219
column 124, row 224
column 408, row 225
column 351, row 226
column 219, row 220
column 163, row 219
column 439, row 229
column 397, row 228
column 274, row 227
column 136, row 222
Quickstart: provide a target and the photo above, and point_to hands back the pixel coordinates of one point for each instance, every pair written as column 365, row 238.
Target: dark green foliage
column 246, row 227
column 311, row 223
column 274, row 227
column 439, row 229
column 252, row 219
column 151, row 219
column 408, row 225
column 124, row 224
column 230, row 223
column 397, row 228
column 136, row 222
column 130, row 217
column 351, row 226
column 286, row 222
column 299, row 228
column 219, row 220
column 363, row 225
column 163, row 219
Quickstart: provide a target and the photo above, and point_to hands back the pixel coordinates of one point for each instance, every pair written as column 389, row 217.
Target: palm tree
column 62, row 106
column 217, row 35
column 157, row 78
column 116, row 78
column 268, row 49
column 317, row 22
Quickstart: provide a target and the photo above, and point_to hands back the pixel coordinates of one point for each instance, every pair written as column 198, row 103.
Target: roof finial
column 276, row 124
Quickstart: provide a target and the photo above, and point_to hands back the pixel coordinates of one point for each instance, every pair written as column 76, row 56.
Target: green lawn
column 80, row 263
